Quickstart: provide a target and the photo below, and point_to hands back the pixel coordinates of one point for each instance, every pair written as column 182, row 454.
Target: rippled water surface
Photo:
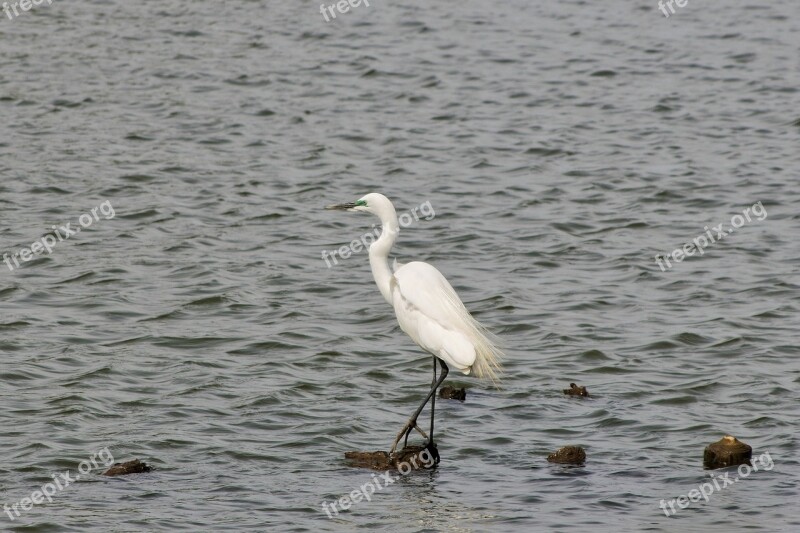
column 561, row 145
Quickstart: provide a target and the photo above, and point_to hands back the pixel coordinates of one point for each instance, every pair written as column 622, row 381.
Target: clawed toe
column 406, row 432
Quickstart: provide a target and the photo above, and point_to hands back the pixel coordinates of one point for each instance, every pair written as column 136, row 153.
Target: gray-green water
column 562, row 146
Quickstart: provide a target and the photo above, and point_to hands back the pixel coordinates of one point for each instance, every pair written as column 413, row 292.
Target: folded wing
column 431, row 313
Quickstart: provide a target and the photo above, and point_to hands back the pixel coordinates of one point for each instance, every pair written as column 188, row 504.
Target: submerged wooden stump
column 568, row 455
column 131, row 467
column 574, row 390
column 451, row 393
column 379, row 460
column 410, row 457
column 728, row 451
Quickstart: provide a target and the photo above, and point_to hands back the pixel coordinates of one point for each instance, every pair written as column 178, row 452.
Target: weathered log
column 568, row 455
column 574, row 390
column 451, row 393
column 416, row 457
column 728, row 451
column 130, row 467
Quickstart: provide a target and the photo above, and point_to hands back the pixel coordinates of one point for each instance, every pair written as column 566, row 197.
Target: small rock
column 451, row 393
column 416, row 457
column 131, row 467
column 574, row 390
column 568, row 455
column 728, row 451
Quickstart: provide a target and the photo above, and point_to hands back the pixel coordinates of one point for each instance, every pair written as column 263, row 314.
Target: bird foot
column 433, row 451
column 406, row 431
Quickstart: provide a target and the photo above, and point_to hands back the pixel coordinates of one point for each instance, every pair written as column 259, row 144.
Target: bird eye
column 361, row 203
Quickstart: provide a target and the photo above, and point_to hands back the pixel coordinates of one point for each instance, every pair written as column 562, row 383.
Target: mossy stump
column 131, row 467
column 574, row 390
column 568, row 455
column 451, row 393
column 728, row 451
column 416, row 457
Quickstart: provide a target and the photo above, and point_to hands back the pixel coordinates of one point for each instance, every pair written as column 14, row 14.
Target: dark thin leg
column 433, row 402
column 430, row 445
column 433, row 398
column 412, row 422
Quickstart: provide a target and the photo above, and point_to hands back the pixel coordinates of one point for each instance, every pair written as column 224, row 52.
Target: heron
column 429, row 311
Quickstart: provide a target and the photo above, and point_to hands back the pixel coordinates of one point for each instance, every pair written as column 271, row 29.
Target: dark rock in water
column 574, row 390
column 131, row 467
column 728, row 451
column 451, row 393
column 568, row 455
column 405, row 460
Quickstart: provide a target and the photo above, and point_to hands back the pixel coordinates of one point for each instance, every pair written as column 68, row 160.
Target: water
column 562, row 145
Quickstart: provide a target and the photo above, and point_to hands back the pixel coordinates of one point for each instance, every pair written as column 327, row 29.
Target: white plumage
column 431, row 313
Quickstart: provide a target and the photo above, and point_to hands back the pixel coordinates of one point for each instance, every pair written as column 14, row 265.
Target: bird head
column 374, row 203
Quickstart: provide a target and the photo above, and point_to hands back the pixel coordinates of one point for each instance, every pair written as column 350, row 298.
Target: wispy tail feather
column 488, row 355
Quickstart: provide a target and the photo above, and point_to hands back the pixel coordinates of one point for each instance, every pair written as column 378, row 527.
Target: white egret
column 428, row 310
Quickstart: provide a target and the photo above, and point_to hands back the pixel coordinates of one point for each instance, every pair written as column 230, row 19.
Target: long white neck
column 379, row 253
